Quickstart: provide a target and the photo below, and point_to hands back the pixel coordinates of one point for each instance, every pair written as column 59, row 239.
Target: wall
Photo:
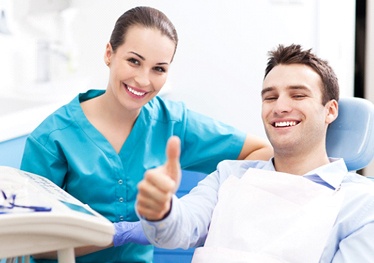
column 219, row 65
column 220, row 61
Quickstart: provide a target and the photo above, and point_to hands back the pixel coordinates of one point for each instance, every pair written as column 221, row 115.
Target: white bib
column 267, row 216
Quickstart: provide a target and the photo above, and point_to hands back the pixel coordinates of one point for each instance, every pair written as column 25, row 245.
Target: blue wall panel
column 11, row 152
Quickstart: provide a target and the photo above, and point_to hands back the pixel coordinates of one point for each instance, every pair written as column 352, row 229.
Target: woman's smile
column 135, row 92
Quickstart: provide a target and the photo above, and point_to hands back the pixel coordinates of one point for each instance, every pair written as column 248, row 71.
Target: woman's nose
column 142, row 78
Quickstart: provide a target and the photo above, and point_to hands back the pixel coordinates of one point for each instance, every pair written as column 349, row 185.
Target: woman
column 99, row 145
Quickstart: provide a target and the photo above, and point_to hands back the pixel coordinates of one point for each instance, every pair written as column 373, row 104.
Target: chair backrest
column 351, row 135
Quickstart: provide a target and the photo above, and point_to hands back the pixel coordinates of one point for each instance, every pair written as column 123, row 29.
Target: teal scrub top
column 67, row 149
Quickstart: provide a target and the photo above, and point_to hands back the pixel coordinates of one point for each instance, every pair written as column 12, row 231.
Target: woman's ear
column 332, row 111
column 108, row 54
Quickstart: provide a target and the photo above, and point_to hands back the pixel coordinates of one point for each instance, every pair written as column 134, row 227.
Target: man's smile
column 285, row 123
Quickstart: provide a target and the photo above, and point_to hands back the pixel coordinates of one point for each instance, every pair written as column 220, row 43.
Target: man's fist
column 159, row 184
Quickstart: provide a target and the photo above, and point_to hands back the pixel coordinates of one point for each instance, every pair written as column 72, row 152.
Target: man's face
column 294, row 118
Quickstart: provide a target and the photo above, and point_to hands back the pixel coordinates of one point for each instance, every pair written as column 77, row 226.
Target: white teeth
column 137, row 93
column 285, row 123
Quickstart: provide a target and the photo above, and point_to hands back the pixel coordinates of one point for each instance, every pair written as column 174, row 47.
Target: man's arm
column 170, row 222
column 159, row 185
column 357, row 247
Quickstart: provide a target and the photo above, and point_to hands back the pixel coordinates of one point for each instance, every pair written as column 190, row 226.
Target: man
column 300, row 206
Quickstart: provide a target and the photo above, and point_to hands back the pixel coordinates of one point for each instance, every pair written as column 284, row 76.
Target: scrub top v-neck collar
column 97, row 137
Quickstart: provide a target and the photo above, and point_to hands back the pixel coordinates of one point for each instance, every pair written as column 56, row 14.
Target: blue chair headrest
column 351, row 136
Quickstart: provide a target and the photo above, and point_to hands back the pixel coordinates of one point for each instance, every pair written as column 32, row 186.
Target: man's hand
column 159, row 184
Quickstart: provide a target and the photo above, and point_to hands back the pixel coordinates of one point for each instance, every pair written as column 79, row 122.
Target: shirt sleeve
column 38, row 160
column 188, row 221
column 357, row 247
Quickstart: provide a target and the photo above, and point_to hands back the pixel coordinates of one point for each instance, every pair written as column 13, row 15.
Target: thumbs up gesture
column 159, row 184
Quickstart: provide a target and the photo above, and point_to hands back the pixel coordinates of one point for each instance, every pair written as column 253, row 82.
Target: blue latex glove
column 126, row 232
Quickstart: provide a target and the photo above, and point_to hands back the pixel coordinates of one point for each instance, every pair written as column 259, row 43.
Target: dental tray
column 37, row 216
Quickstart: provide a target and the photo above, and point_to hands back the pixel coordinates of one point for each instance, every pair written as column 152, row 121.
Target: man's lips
column 285, row 123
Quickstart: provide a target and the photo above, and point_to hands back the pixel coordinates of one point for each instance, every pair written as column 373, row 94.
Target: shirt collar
column 269, row 165
column 332, row 173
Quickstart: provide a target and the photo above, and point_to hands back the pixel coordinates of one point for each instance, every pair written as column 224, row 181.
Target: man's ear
column 332, row 111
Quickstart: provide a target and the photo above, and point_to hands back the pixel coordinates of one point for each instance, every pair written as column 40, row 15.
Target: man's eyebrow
column 293, row 87
column 299, row 87
column 143, row 58
column 263, row 91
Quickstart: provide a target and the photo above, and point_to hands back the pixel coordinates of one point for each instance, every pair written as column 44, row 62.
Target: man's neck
column 299, row 164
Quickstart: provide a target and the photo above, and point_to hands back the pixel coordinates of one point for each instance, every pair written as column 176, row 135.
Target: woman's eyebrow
column 138, row 55
column 143, row 58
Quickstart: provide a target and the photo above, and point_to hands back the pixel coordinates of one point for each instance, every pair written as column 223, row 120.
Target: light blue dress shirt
column 73, row 154
column 351, row 238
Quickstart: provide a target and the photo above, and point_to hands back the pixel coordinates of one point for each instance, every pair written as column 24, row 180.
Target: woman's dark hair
column 294, row 54
column 143, row 16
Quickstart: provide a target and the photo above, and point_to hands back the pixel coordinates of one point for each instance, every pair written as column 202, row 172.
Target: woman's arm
column 125, row 232
column 80, row 251
column 255, row 148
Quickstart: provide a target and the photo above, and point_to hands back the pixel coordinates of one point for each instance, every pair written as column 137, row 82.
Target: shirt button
column 121, row 218
column 120, row 181
column 121, row 199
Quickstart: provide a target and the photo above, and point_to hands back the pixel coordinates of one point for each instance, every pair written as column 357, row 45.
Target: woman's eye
column 160, row 69
column 133, row 61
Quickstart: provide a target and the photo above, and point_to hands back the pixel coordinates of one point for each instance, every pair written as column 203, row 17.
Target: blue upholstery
column 351, row 136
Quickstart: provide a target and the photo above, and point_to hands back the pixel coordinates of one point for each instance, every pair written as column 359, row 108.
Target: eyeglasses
column 9, row 206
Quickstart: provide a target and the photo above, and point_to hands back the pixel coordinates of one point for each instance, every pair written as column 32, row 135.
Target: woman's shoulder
column 159, row 102
column 61, row 118
column 161, row 108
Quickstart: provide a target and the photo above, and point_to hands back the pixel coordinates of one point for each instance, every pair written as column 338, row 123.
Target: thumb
column 172, row 165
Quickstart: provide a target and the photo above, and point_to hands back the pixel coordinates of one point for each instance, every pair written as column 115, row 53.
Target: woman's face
column 139, row 67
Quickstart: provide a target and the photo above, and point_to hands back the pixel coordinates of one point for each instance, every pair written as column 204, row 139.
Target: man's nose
column 282, row 105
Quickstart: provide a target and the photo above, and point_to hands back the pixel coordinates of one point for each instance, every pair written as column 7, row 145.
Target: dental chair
column 351, row 136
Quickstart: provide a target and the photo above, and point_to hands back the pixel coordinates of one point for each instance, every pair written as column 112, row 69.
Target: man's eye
column 269, row 98
column 299, row 96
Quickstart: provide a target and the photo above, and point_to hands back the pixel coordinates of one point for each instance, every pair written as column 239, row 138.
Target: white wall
column 221, row 57
column 222, row 53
